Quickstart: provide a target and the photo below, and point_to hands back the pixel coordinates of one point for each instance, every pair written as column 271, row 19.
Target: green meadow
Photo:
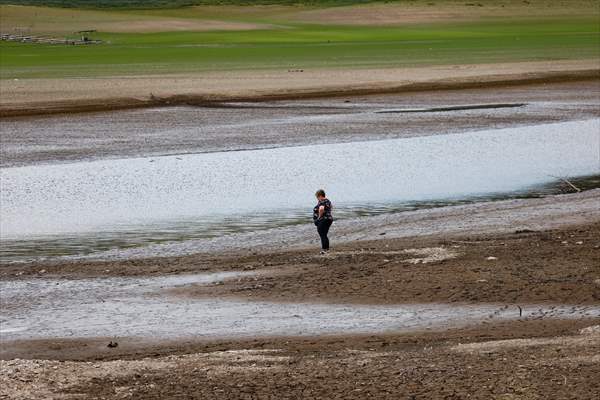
column 309, row 45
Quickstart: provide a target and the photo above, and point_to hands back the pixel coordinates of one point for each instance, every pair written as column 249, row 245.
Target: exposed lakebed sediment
column 138, row 307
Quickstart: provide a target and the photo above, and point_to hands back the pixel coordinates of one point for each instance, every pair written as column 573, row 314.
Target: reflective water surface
column 85, row 207
column 140, row 307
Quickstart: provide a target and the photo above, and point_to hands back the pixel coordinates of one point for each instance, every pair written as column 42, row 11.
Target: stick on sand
column 567, row 182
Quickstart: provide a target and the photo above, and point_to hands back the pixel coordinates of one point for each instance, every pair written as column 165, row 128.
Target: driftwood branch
column 567, row 182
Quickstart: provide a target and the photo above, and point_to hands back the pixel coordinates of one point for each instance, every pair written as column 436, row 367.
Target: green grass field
column 291, row 44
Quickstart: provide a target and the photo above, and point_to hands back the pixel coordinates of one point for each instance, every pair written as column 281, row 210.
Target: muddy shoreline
column 531, row 356
column 512, row 257
column 556, row 359
column 450, row 222
column 274, row 124
column 302, row 90
column 550, row 260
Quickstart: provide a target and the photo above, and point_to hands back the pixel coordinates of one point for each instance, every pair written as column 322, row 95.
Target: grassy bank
column 234, row 38
column 306, row 46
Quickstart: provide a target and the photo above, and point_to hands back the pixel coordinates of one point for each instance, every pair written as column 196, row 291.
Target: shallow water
column 91, row 206
column 190, row 236
column 45, row 308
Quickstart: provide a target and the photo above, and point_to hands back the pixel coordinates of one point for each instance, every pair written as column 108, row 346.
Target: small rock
column 42, row 271
column 565, row 242
column 521, row 231
column 590, row 330
column 112, row 344
column 580, row 242
column 490, row 258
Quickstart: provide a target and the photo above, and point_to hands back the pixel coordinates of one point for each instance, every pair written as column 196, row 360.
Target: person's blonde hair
column 320, row 193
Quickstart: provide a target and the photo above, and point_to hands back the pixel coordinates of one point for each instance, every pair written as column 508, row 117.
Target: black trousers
column 323, row 226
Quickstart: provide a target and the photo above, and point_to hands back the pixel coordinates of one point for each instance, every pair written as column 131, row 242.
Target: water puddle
column 46, row 308
column 87, row 207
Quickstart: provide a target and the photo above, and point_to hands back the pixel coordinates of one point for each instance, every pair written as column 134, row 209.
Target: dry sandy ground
column 430, row 12
column 40, row 96
column 65, row 21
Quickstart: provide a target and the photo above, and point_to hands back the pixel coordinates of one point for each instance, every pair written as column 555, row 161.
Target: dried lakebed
column 244, row 126
column 145, row 308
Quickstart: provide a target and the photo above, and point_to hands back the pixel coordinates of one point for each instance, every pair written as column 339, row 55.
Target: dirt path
column 48, row 96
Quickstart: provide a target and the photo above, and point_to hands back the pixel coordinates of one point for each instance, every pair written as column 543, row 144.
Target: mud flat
column 135, row 308
column 496, row 299
column 23, row 97
column 471, row 300
column 270, row 124
column 472, row 314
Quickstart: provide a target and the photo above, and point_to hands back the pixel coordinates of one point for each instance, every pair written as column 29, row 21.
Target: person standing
column 323, row 218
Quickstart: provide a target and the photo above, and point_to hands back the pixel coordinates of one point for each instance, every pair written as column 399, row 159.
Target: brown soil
column 528, row 268
column 51, row 96
column 527, row 359
column 171, row 25
column 65, row 21
column 418, row 12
